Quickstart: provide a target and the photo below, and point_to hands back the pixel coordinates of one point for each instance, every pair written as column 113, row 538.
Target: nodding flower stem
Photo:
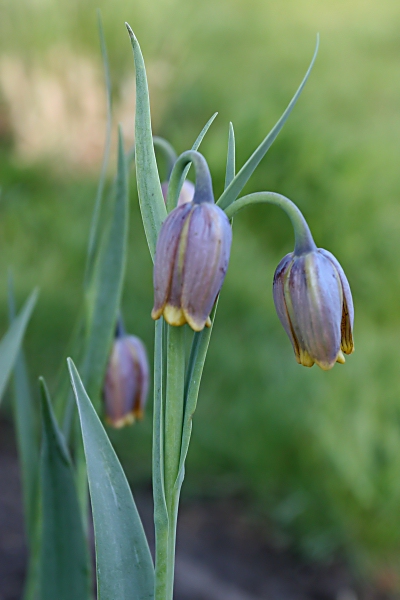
column 303, row 239
column 203, row 188
column 168, row 152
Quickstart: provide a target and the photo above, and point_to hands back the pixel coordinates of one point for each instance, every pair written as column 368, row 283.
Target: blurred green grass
column 318, row 452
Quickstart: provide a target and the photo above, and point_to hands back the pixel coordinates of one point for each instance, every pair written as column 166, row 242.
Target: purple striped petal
column 164, row 263
column 347, row 323
column 206, row 262
column 314, row 299
column 279, row 299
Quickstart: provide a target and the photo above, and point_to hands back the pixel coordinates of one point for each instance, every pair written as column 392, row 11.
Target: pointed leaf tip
column 131, row 34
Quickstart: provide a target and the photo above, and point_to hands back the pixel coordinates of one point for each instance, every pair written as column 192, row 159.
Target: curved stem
column 203, row 188
column 168, row 151
column 303, row 239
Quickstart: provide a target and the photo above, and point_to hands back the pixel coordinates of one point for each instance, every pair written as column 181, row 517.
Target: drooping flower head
column 314, row 304
column 192, row 257
column 127, row 381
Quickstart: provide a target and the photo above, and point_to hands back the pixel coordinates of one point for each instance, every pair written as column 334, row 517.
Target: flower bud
column 186, row 193
column 314, row 304
column 191, row 261
column 126, row 381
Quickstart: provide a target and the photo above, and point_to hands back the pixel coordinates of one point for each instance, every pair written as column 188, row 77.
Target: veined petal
column 347, row 323
column 141, row 370
column 314, row 298
column 206, row 262
column 166, row 250
column 280, row 276
column 120, row 386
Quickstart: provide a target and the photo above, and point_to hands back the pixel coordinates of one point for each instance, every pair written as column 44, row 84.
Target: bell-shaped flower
column 126, row 382
column 314, row 304
column 191, row 260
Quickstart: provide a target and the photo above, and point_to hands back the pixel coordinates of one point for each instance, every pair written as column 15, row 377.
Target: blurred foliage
column 318, row 452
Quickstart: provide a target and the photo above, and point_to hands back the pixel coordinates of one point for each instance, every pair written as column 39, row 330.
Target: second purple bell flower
column 313, row 300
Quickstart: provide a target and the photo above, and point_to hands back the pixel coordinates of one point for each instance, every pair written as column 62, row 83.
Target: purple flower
column 126, row 381
column 313, row 300
column 191, row 261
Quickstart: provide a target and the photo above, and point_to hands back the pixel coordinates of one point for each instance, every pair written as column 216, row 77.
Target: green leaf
column 64, row 568
column 151, row 200
column 94, row 236
column 199, row 348
column 11, row 342
column 26, row 431
column 123, row 560
column 196, row 146
column 104, row 293
column 237, row 184
column 230, row 158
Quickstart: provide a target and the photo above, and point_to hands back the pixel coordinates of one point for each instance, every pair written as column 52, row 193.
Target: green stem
column 203, row 188
column 160, row 507
column 303, row 239
column 174, row 406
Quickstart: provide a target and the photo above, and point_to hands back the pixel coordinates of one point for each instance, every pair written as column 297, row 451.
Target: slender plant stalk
column 160, row 507
column 303, row 239
column 175, row 384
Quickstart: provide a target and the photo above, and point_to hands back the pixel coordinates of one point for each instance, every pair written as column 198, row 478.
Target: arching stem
column 203, row 188
column 303, row 239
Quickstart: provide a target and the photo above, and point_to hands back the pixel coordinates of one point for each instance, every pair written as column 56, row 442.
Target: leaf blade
column 11, row 341
column 104, row 295
column 152, row 205
column 64, row 568
column 124, row 565
column 237, row 184
column 26, row 431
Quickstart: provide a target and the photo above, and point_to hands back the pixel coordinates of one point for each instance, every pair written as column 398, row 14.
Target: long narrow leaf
column 123, row 560
column 196, row 146
column 231, row 157
column 94, row 235
column 237, row 184
column 200, row 343
column 11, row 342
column 151, row 200
column 26, row 431
column 64, row 567
column 104, row 294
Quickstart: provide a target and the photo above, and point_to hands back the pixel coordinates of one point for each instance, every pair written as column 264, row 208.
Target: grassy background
column 318, row 452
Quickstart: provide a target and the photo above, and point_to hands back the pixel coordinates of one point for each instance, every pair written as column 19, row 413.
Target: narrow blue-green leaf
column 104, row 293
column 203, row 132
column 12, row 340
column 64, row 567
column 196, row 146
column 230, row 158
column 123, row 560
column 94, row 236
column 197, row 358
column 26, row 431
column 151, row 200
column 237, row 184
column 200, row 343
